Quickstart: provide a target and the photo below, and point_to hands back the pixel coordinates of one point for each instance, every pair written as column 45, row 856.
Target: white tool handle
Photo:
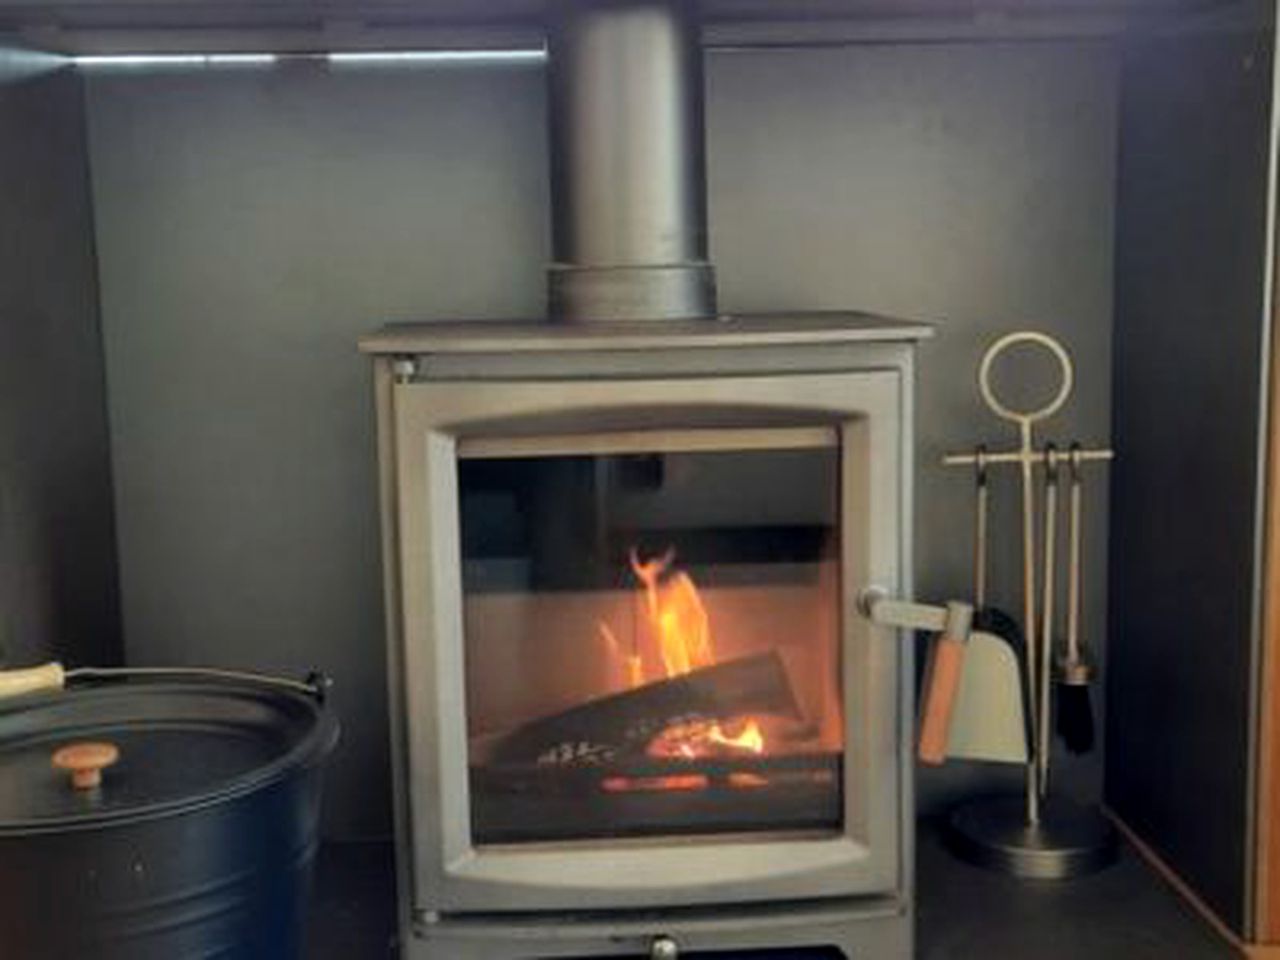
column 980, row 531
column 1045, row 653
column 48, row 676
column 1073, row 564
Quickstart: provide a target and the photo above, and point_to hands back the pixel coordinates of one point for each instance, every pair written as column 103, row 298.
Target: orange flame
column 676, row 615
column 634, row 665
column 678, row 620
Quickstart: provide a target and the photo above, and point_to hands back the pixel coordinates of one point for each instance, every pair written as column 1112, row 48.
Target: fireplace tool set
column 1036, row 834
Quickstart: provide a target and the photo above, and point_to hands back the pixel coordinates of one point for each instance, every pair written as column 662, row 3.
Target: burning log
column 602, row 730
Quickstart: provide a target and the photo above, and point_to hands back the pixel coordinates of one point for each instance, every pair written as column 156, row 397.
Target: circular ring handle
column 1013, row 339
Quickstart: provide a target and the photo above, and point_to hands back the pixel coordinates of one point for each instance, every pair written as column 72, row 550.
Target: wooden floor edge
column 1250, row 951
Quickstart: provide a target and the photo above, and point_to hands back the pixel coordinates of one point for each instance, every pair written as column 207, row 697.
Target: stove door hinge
column 424, row 919
column 405, row 369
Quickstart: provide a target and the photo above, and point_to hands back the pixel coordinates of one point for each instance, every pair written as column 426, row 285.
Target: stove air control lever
column 946, row 659
column 663, row 948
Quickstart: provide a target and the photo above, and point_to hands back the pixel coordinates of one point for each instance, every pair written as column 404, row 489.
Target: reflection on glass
column 652, row 641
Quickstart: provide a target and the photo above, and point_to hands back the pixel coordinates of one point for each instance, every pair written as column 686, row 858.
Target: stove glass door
column 651, row 633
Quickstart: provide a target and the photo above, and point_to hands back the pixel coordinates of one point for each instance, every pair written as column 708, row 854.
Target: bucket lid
column 168, row 747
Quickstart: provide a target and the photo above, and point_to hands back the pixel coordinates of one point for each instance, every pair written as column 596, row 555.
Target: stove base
column 864, row 928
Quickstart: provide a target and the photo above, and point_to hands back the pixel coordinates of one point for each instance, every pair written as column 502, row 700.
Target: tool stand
column 1032, row 835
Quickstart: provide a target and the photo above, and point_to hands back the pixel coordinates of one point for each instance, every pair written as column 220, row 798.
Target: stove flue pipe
column 628, row 164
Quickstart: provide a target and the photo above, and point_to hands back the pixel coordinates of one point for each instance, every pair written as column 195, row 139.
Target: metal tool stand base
column 1069, row 841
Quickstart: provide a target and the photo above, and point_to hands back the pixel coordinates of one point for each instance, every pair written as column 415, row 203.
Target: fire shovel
column 971, row 706
column 945, row 665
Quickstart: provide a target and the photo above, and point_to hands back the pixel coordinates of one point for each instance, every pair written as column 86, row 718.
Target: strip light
column 143, row 60
column 345, row 58
column 391, row 57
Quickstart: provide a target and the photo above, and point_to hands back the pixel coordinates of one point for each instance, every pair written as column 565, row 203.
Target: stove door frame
column 446, row 872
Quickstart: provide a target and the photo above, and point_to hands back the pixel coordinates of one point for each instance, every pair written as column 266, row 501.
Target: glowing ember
column 750, row 738
column 684, row 781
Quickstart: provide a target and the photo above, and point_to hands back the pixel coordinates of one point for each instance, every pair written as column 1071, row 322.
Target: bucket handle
column 52, row 676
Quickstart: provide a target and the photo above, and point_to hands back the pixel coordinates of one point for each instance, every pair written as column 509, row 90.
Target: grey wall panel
column 1190, row 266
column 251, row 228
column 253, row 224
column 971, row 185
column 58, row 586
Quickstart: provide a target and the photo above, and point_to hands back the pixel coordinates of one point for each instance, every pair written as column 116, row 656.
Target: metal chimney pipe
column 628, row 163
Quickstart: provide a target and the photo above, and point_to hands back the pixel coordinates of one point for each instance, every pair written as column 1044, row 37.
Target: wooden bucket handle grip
column 48, row 676
column 942, row 684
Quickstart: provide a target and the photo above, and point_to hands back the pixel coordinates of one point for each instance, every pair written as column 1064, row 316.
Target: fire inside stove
column 678, row 628
column 645, row 658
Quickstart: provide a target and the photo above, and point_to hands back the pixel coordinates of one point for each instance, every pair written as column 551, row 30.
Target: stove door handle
column 877, row 606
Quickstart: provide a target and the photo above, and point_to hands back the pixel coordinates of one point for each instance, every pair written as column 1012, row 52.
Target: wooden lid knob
column 85, row 762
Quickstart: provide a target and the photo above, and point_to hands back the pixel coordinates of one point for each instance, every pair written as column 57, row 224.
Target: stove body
column 635, row 710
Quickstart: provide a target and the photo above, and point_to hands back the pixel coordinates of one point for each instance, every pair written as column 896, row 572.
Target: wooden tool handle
column 942, row 684
column 85, row 762
column 48, row 676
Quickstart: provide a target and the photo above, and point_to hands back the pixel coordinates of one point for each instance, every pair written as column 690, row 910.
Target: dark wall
column 58, row 590
column 252, row 224
column 1189, row 328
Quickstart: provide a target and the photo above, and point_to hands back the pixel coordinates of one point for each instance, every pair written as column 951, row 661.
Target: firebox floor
column 1125, row 912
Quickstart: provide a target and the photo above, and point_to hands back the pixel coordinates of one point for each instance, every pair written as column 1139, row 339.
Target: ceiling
column 88, row 26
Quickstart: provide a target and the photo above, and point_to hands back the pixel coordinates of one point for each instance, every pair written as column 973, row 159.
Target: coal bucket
column 160, row 814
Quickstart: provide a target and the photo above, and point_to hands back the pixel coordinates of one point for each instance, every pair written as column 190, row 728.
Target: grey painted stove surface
column 421, row 421
column 852, row 888
column 1124, row 913
column 820, row 327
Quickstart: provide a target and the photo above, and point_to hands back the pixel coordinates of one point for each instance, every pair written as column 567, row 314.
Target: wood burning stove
column 635, row 707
